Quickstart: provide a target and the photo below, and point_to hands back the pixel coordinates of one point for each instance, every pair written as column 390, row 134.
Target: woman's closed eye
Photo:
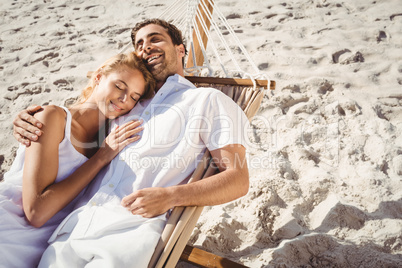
column 117, row 86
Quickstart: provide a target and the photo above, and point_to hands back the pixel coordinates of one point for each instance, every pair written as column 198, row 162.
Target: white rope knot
column 252, row 79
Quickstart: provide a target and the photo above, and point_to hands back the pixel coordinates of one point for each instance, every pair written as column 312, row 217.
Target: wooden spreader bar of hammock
column 231, row 81
column 225, row 81
column 205, row 259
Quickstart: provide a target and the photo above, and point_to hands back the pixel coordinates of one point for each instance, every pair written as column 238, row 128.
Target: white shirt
column 179, row 123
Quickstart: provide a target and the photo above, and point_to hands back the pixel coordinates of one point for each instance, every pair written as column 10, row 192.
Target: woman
column 47, row 178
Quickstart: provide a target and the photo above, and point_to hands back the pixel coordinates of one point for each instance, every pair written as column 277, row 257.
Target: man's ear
column 180, row 50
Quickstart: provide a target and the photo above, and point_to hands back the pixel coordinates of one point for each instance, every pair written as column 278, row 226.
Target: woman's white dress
column 22, row 245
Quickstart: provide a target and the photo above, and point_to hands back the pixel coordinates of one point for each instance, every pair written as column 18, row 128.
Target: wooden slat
column 203, row 258
column 231, row 81
column 201, row 16
column 163, row 250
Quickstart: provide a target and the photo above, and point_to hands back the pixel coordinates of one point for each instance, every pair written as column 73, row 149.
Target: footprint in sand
column 95, row 9
column 357, row 57
column 389, row 108
column 63, row 84
column 381, row 36
column 345, row 56
column 233, row 16
column 395, row 15
column 270, row 16
column 23, row 89
column 349, row 108
column 50, row 55
column 336, row 55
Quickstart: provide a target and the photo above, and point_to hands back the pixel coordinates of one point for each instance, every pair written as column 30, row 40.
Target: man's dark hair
column 174, row 33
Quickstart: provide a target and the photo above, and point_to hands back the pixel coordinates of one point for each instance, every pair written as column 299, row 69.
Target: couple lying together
column 70, row 200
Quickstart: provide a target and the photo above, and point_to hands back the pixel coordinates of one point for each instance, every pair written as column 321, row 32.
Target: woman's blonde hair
column 131, row 60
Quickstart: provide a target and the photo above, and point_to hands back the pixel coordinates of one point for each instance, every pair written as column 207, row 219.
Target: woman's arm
column 42, row 198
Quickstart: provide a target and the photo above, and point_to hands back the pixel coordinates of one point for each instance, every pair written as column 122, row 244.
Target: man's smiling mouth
column 153, row 58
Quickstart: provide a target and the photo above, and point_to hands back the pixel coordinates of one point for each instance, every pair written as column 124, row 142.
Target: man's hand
column 229, row 184
column 148, row 202
column 26, row 127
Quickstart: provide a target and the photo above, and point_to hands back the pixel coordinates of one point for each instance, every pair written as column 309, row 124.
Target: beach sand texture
column 325, row 154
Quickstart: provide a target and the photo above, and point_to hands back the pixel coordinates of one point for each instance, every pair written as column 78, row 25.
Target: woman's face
column 119, row 91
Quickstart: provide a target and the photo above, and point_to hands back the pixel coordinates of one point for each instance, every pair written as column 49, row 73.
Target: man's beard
column 157, row 71
column 162, row 71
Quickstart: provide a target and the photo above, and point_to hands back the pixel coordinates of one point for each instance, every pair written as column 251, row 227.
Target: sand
column 326, row 146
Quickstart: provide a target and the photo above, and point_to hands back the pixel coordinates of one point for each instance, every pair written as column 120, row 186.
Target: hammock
column 202, row 25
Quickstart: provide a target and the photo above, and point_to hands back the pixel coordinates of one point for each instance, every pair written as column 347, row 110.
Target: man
column 126, row 210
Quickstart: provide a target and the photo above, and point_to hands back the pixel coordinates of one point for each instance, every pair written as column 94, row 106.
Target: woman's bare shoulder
column 50, row 112
column 53, row 119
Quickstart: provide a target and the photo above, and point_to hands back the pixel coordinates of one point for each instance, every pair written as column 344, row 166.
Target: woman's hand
column 119, row 138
